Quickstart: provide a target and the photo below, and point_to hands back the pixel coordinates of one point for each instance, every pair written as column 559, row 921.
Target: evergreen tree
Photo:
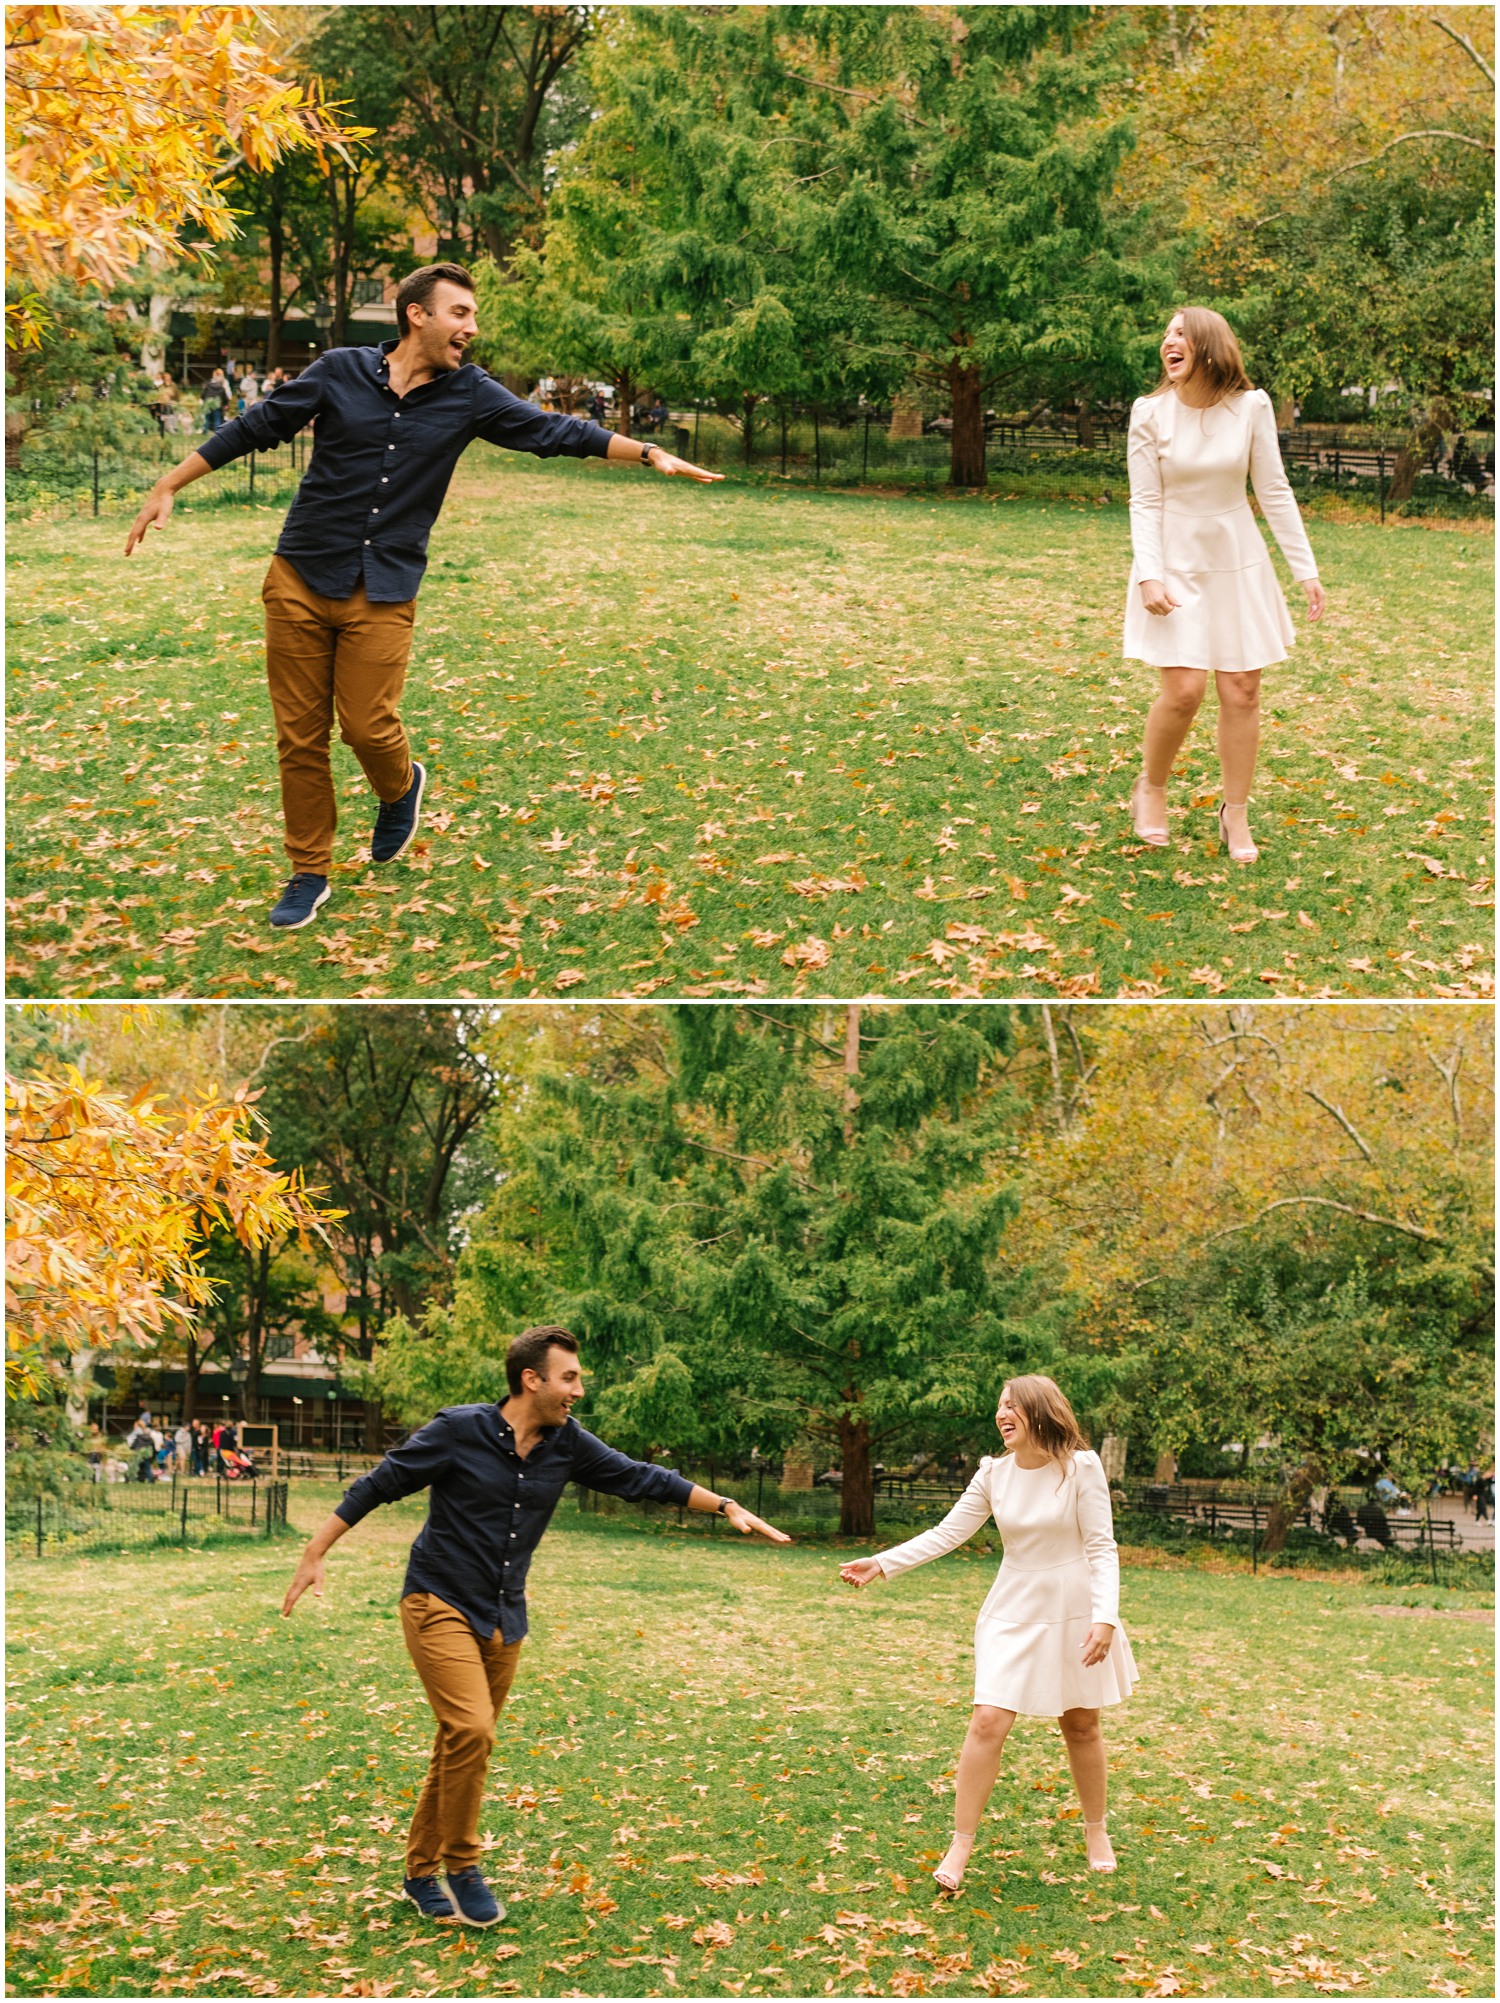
column 768, row 1226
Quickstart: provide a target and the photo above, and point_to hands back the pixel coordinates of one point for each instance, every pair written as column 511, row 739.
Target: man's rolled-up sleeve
column 416, row 1463
column 502, row 418
column 598, row 1466
column 272, row 421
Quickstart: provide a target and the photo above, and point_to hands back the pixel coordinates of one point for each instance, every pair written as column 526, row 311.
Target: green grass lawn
column 744, row 740
column 722, row 1772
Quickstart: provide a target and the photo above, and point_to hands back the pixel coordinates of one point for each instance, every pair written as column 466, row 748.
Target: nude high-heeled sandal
column 1250, row 854
column 1156, row 837
column 946, row 1878
column 1100, row 1850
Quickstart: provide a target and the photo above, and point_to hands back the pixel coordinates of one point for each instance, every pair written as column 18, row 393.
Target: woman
column 1048, row 1639
column 1203, row 597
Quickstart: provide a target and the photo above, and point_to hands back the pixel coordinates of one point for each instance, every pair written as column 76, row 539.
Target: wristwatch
column 723, row 1508
column 646, row 452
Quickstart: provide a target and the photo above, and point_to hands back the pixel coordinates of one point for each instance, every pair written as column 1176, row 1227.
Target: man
column 496, row 1473
column 340, row 595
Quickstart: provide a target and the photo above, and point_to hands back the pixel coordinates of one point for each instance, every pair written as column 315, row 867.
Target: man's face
column 445, row 326
column 559, row 1391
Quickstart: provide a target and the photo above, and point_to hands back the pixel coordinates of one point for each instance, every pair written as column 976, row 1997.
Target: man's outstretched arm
column 309, row 1570
column 275, row 419
column 156, row 511
column 744, row 1520
column 661, row 460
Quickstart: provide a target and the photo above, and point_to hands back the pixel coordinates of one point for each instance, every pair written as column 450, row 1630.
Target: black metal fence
column 126, row 1516
column 1413, row 1548
column 59, row 481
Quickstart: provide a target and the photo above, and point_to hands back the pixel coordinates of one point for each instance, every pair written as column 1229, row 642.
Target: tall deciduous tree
column 1328, row 176
column 120, row 121
column 468, row 100
column 1276, row 1222
column 378, row 1103
column 110, row 1204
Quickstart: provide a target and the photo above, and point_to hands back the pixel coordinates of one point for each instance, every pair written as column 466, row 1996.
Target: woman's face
column 1176, row 351
column 1012, row 1422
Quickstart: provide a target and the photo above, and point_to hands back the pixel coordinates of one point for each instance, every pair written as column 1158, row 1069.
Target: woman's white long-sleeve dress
column 1191, row 526
column 1060, row 1574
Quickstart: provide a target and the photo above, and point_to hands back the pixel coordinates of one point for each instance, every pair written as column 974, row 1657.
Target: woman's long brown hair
column 1217, row 367
column 1049, row 1417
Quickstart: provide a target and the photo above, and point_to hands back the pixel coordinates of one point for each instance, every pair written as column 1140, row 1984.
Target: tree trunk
column 374, row 1426
column 1293, row 1499
column 275, row 308
column 192, row 1363
column 1426, row 432
column 857, row 1494
column 851, row 1073
column 966, row 468
column 1085, row 425
column 748, row 421
column 158, row 334
column 624, row 403
column 78, row 1404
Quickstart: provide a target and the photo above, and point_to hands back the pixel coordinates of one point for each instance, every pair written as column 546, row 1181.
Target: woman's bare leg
column 1085, row 1743
column 1168, row 722
column 1239, row 741
column 978, row 1769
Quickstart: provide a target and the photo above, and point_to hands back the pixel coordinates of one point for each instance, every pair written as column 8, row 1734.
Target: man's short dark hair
column 529, row 1352
column 418, row 287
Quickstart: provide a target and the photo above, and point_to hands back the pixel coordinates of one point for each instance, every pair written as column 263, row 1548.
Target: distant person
column 1484, row 1497
column 249, row 390
column 1203, row 597
column 659, row 414
column 340, row 595
column 495, row 1475
column 1374, row 1523
column 215, row 398
column 182, row 1441
column 1048, row 1639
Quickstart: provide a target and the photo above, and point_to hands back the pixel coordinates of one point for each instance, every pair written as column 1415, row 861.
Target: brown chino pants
column 467, row 1681
column 327, row 656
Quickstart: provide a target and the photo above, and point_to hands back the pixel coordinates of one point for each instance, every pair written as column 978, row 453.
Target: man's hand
column 861, row 1572
column 740, row 1517
column 156, row 513
column 664, row 462
column 309, row 1572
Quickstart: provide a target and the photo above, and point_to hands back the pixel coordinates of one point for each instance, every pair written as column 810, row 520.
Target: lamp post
column 239, row 1370
column 322, row 320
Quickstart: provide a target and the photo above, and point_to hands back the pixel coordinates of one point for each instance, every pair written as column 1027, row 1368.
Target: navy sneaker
column 298, row 903
column 397, row 820
column 430, row 1900
column 477, row 1904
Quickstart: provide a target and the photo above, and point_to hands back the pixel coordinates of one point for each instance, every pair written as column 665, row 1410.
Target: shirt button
column 383, row 480
column 367, row 542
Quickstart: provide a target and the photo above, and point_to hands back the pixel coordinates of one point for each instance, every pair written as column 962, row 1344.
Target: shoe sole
column 416, row 820
column 318, row 902
column 438, row 1919
column 465, row 1920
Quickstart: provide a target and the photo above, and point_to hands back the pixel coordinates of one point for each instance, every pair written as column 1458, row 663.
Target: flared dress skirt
column 1231, row 615
column 1028, row 1645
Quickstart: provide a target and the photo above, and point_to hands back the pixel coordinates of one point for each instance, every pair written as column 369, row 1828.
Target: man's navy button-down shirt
column 382, row 462
column 488, row 1507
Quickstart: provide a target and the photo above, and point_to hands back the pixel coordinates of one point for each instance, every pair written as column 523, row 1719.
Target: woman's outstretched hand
column 1156, row 598
column 1096, row 1643
column 1317, row 603
column 861, row 1572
